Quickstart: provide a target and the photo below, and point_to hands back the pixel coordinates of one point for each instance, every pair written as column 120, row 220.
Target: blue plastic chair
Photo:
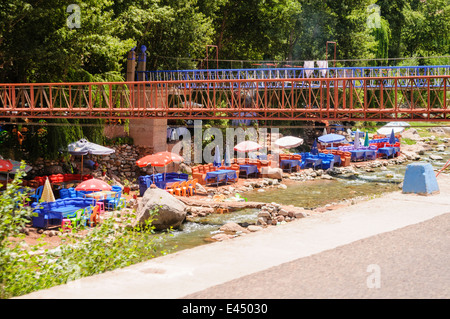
column 327, row 161
column 72, row 192
column 116, row 188
column 37, row 194
column 85, row 218
column 116, row 202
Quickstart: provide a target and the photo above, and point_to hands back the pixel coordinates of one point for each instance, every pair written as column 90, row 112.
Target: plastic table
column 290, row 163
column 388, row 151
column 313, row 160
column 220, row 176
column 248, row 169
column 362, row 154
column 101, row 195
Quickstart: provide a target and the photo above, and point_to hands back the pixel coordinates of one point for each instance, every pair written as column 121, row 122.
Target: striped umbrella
column 5, row 165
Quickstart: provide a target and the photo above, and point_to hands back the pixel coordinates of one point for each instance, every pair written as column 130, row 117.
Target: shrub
column 104, row 248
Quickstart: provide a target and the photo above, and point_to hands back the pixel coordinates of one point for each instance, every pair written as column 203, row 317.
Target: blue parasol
column 392, row 138
column 217, row 157
column 314, row 148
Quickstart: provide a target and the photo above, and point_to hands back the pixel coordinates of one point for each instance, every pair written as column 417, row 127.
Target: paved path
column 402, row 234
column 411, row 262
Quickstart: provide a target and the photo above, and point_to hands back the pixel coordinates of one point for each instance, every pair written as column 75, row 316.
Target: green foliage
column 408, row 141
column 51, row 139
column 106, row 247
column 36, row 44
column 119, row 140
column 426, row 31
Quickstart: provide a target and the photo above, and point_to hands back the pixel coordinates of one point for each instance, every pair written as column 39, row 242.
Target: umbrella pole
column 81, row 167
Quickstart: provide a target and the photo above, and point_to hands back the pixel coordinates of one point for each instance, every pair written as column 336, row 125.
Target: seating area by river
column 274, row 165
column 75, row 205
column 81, row 199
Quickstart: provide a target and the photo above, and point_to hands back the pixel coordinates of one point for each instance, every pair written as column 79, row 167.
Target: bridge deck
column 409, row 98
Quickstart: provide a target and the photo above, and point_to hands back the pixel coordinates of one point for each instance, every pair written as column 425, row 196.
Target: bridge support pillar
column 150, row 133
column 146, row 132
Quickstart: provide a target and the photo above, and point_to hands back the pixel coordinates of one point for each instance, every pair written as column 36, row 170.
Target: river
column 306, row 194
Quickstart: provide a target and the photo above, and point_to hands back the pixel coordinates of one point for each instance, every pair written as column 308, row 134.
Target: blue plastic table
column 337, row 160
column 313, row 160
column 248, row 169
column 53, row 217
column 388, row 151
column 291, row 163
column 168, row 182
column 362, row 154
column 220, row 176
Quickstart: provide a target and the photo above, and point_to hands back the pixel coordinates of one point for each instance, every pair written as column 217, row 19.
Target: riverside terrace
column 215, row 174
column 60, row 211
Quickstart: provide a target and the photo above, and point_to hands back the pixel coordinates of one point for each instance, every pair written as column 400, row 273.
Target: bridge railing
column 292, row 73
column 423, row 97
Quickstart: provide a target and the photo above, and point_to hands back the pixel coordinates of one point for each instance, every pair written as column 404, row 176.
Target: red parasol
column 93, row 184
column 5, row 165
column 160, row 159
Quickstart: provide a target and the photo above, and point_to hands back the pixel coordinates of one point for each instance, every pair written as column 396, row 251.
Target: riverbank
column 211, row 200
column 189, row 271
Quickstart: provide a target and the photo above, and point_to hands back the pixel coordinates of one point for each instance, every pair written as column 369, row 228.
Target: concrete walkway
column 192, row 270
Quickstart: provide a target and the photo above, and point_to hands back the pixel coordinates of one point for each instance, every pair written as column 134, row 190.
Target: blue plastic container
column 420, row 179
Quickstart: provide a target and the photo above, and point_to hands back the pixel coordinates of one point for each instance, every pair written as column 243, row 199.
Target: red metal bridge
column 340, row 94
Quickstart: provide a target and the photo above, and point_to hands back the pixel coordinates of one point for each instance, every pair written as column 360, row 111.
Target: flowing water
column 307, row 194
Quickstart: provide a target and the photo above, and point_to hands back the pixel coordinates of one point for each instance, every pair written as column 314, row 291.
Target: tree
column 427, row 28
column 392, row 12
column 255, row 29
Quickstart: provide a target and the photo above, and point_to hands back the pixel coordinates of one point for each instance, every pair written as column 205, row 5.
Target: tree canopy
column 56, row 41
column 37, row 44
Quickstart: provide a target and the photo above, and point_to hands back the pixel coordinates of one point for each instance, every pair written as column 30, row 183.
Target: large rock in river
column 169, row 211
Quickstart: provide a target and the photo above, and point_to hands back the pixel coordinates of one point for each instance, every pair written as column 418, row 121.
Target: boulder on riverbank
column 272, row 172
column 273, row 214
column 164, row 209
